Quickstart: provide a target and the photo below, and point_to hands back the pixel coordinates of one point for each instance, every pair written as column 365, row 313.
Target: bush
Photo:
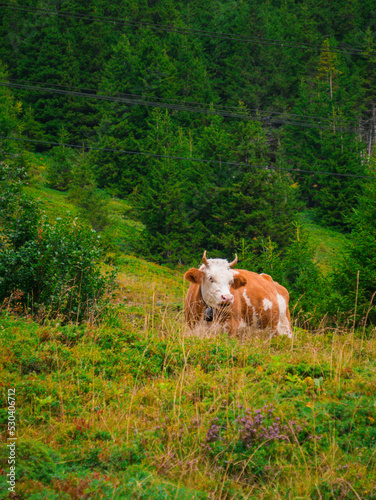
column 296, row 270
column 52, row 269
column 57, row 273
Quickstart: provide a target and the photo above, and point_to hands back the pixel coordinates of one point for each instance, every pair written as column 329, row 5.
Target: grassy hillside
column 328, row 244
column 136, row 407
column 122, row 229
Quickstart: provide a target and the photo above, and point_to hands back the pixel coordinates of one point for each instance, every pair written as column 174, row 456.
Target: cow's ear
column 239, row 281
column 194, row 275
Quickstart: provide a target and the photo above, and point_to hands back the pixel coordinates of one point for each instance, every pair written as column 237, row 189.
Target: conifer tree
column 331, row 147
column 10, row 115
column 91, row 205
column 163, row 200
column 59, row 170
column 354, row 281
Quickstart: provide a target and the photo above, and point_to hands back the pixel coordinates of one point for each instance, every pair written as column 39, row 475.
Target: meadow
column 134, row 407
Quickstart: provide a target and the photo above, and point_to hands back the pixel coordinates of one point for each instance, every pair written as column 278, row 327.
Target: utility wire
column 142, row 102
column 186, row 31
column 259, row 113
column 182, row 158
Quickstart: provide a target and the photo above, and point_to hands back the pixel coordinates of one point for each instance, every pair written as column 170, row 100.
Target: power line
column 186, row 31
column 182, row 158
column 123, row 94
column 126, row 100
column 143, row 102
column 259, row 113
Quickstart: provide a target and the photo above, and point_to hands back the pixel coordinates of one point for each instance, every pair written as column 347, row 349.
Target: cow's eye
column 211, row 279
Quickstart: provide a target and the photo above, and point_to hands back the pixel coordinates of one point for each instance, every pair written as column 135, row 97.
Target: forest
column 134, row 135
column 219, row 124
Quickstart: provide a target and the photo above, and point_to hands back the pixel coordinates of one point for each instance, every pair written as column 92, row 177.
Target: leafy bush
column 52, row 269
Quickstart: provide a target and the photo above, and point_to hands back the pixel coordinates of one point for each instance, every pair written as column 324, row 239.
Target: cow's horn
column 233, row 263
column 204, row 259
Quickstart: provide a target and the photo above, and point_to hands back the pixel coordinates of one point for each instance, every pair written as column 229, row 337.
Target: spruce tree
column 331, row 146
column 90, row 203
column 354, row 281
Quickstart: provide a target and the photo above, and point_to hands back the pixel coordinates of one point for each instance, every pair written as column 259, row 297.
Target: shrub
column 51, row 268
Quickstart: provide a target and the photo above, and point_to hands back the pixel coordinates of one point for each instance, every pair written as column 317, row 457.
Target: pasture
column 133, row 407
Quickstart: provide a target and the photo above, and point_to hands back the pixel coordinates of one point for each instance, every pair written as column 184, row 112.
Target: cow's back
column 264, row 303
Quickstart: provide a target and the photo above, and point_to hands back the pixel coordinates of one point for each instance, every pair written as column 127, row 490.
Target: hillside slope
column 135, row 407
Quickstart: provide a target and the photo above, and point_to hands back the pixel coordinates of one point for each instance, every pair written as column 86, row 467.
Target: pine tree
column 331, row 147
column 10, row 115
column 164, row 197
column 91, row 205
column 354, row 281
column 59, row 170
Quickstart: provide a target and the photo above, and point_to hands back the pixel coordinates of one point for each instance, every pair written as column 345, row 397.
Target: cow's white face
column 215, row 280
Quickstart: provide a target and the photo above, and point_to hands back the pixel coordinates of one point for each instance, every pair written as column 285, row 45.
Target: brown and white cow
column 236, row 298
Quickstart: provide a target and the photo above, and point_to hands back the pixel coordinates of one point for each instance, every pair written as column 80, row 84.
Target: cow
column 236, row 298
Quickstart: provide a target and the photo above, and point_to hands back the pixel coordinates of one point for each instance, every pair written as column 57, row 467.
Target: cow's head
column 216, row 277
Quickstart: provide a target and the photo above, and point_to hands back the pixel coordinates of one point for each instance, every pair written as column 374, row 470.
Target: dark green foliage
column 59, row 172
column 294, row 268
column 252, row 209
column 210, row 205
column 332, row 147
column 33, row 461
column 126, row 456
column 10, row 113
column 354, row 280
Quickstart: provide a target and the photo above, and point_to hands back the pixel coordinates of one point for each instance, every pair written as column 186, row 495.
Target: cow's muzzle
column 227, row 299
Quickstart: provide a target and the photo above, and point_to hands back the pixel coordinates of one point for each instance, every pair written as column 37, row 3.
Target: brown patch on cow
column 267, row 277
column 194, row 276
column 239, row 281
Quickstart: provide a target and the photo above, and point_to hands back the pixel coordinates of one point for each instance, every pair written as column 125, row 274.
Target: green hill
column 329, row 245
column 132, row 405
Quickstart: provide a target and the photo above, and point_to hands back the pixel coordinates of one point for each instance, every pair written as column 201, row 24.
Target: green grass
column 53, row 203
column 122, row 229
column 328, row 244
